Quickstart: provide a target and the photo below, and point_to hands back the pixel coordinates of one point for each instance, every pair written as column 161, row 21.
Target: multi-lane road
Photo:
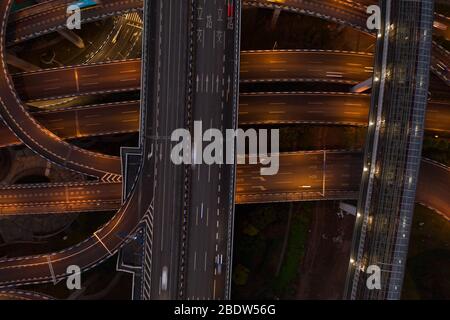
column 211, row 203
column 97, row 78
column 305, row 65
column 104, row 240
column 22, row 295
column 256, row 66
column 60, row 198
column 322, row 108
column 50, row 16
column 43, row 18
column 353, row 14
column 301, row 178
column 103, row 243
column 38, row 138
column 255, row 109
column 167, row 101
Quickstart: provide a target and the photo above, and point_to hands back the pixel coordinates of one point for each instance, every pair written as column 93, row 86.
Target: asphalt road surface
column 301, row 177
column 37, row 138
column 212, row 186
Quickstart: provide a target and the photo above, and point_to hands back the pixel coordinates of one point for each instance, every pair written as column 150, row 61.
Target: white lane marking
column 52, row 272
column 101, row 242
column 195, row 260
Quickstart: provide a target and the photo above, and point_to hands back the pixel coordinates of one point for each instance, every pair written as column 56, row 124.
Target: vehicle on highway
column 164, row 277
column 439, row 25
column 218, row 262
column 442, row 66
column 230, row 8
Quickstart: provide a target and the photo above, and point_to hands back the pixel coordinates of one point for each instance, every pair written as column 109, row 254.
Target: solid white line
column 50, row 266
column 101, row 242
column 195, row 260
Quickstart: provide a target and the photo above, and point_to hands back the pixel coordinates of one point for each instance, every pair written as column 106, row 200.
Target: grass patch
column 298, row 235
column 259, row 236
column 428, row 267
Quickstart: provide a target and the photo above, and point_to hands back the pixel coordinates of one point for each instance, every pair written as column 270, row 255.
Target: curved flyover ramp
column 35, row 136
column 22, row 295
column 353, row 14
column 433, row 189
column 50, row 16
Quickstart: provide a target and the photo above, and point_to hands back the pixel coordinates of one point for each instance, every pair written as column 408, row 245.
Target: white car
column 164, row 277
column 219, row 262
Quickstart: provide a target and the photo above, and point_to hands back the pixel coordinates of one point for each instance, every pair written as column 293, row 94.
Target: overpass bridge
column 302, row 177
column 393, row 149
column 27, row 23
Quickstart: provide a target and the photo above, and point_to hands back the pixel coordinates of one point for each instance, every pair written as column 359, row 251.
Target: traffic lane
column 336, row 9
column 75, row 192
column 61, row 207
column 208, row 234
column 55, row 18
column 433, row 187
column 204, row 179
column 117, row 76
column 442, row 26
column 120, row 76
column 47, row 144
column 440, row 61
column 79, row 80
column 254, row 109
column 267, row 108
column 303, row 172
column 258, row 66
column 104, row 243
column 15, row 294
column 95, row 120
column 169, row 115
column 437, row 116
column 285, row 108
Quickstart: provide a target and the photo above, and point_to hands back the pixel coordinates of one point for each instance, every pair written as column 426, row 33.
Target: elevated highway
column 97, row 78
column 120, row 76
column 84, row 121
column 304, row 176
column 50, row 16
column 22, row 295
column 393, row 149
column 210, row 215
column 36, row 137
column 27, row 23
column 265, row 108
column 305, row 65
column 301, row 178
column 104, row 242
column 60, row 198
column 353, row 14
